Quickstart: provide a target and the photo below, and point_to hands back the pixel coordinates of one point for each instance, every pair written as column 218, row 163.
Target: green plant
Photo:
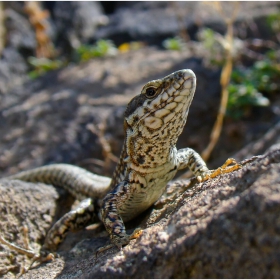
column 243, row 96
column 100, row 49
column 248, row 86
column 208, row 37
column 274, row 23
column 43, row 65
column 265, row 75
column 213, row 45
column 174, row 44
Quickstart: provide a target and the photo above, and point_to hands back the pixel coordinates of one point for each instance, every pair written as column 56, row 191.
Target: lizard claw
column 225, row 168
column 136, row 233
column 119, row 242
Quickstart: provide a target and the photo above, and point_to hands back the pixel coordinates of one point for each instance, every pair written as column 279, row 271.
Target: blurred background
column 68, row 69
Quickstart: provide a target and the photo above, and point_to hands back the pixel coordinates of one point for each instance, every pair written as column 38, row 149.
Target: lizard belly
column 144, row 197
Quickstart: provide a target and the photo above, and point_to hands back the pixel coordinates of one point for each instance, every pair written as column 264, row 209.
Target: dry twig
column 225, row 78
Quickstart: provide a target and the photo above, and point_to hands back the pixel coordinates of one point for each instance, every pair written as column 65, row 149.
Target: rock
column 261, row 145
column 227, row 227
column 21, row 35
column 76, row 23
column 20, row 43
column 13, row 70
column 139, row 22
column 152, row 22
column 72, row 24
column 24, row 204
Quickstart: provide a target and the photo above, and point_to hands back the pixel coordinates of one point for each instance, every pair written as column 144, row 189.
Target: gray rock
column 13, row 70
column 76, row 23
column 20, row 33
column 20, row 43
column 152, row 22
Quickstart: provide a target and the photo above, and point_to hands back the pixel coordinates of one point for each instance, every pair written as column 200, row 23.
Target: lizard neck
column 149, row 149
column 144, row 158
column 148, row 154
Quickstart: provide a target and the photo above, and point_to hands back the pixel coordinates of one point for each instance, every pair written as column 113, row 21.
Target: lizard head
column 157, row 116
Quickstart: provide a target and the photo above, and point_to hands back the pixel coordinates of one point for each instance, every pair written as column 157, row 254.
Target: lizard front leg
column 111, row 217
column 189, row 158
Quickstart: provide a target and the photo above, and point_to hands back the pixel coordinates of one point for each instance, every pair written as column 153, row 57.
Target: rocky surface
column 24, row 205
column 227, row 227
column 20, row 44
column 69, row 25
column 73, row 24
column 153, row 22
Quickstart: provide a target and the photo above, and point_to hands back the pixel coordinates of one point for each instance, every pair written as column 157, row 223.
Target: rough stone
column 75, row 23
column 153, row 22
column 227, row 227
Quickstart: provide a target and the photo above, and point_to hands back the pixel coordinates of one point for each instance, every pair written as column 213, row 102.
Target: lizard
column 153, row 121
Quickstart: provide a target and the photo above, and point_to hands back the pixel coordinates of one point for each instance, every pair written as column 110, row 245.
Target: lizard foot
column 136, row 233
column 229, row 166
column 119, row 242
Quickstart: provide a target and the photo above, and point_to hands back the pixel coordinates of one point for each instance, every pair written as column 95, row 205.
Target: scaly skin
column 149, row 160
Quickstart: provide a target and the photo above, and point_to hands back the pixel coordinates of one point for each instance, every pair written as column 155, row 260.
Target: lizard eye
column 150, row 92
